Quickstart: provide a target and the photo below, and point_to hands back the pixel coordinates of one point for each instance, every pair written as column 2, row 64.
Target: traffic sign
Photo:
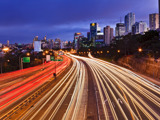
column 52, row 58
column 26, row 59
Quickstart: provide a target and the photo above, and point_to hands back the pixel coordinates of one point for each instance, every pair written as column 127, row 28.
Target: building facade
column 57, row 43
column 94, row 29
column 77, row 39
column 154, row 21
column 99, row 41
column 88, row 35
column 108, row 35
column 8, row 43
column 129, row 22
column 139, row 27
column 120, row 29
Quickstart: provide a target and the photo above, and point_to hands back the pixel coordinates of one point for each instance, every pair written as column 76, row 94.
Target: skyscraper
column 45, row 38
column 94, row 29
column 154, row 21
column 129, row 21
column 108, row 35
column 77, row 38
column 8, row 43
column 120, row 29
column 57, row 43
column 139, row 27
column 88, row 35
column 35, row 39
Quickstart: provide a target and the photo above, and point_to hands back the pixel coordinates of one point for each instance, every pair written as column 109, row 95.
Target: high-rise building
column 35, row 39
column 120, row 29
column 108, row 35
column 57, row 43
column 139, row 27
column 50, row 43
column 88, row 35
column 154, row 21
column 99, row 41
column 77, row 38
column 1, row 45
column 8, row 43
column 111, row 34
column 129, row 21
column 37, row 46
column 94, row 29
column 45, row 38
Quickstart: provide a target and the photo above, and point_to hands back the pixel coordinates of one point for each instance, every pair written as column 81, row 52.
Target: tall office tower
column 77, row 39
column 45, row 38
column 88, row 35
column 94, row 29
column 108, row 35
column 35, row 39
column 8, row 43
column 139, row 27
column 1, row 45
column 120, row 29
column 57, row 43
column 50, row 43
column 129, row 21
column 154, row 21
column 111, row 34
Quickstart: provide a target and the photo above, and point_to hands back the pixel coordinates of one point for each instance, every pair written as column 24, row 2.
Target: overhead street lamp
column 140, row 50
column 46, row 52
column 43, row 59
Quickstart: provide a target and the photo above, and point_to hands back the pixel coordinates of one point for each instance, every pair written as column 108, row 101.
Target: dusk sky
column 22, row 20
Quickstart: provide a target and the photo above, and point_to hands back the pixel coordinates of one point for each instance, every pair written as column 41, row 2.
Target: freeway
column 16, row 92
column 64, row 100
column 123, row 94
column 94, row 89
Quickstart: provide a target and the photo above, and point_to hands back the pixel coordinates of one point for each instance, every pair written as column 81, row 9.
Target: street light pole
column 20, row 62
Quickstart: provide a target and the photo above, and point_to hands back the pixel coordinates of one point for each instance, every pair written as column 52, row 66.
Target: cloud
column 21, row 20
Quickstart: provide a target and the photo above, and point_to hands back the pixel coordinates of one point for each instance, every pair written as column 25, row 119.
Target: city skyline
column 22, row 21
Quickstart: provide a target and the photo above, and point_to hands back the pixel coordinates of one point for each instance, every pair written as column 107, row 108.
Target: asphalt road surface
column 93, row 89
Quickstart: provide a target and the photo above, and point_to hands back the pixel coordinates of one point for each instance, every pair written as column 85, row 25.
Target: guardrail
column 25, row 102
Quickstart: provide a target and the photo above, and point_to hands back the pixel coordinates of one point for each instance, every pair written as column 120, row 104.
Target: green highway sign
column 58, row 58
column 26, row 59
column 52, row 58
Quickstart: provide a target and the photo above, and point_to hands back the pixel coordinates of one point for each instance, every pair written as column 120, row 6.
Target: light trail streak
column 141, row 92
column 24, row 88
column 58, row 101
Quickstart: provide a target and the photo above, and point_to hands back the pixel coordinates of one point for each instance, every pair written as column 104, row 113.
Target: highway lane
column 10, row 95
column 64, row 100
column 11, row 78
column 98, row 90
column 128, row 95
